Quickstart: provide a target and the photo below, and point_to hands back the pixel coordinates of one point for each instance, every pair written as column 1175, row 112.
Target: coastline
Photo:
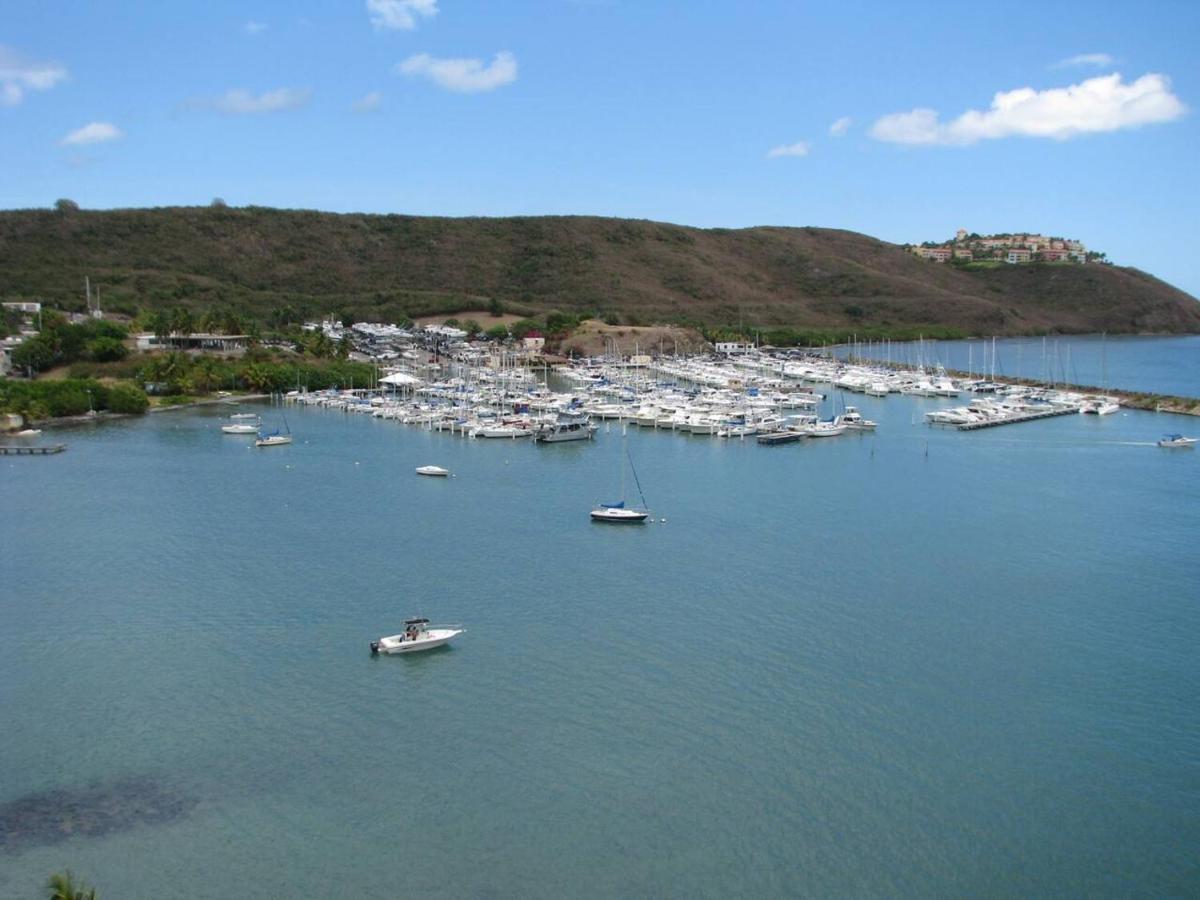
column 105, row 416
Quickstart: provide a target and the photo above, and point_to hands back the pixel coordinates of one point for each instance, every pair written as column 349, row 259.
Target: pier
column 1021, row 417
column 9, row 450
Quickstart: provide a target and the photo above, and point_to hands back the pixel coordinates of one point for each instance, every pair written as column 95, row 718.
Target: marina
column 777, row 398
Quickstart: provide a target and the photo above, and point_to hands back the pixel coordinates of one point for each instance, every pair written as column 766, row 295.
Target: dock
column 779, row 437
column 9, row 450
column 1022, row 417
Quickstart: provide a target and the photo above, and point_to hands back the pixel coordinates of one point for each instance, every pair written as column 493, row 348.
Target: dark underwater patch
column 96, row 810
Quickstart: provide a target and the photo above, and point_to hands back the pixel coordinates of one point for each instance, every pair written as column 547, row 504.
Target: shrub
column 127, row 398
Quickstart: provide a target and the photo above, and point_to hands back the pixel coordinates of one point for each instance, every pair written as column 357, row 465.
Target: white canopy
column 400, row 379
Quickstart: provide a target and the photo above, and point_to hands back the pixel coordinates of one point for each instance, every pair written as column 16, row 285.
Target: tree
column 64, row 206
column 218, row 203
column 107, row 349
column 36, row 353
column 495, row 307
column 182, row 321
column 62, row 886
column 498, row 333
column 160, row 324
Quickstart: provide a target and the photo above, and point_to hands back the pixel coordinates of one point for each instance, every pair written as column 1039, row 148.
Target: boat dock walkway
column 9, row 450
column 1022, row 417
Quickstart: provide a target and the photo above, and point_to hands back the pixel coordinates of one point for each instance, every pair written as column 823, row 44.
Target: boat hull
column 619, row 516
column 397, row 643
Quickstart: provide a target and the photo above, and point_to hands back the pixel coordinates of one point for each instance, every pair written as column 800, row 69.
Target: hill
column 283, row 264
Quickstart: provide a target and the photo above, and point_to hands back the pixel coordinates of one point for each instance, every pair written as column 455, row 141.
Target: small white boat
column 618, row 513
column 853, row 419
column 244, row 416
column 1176, row 440
column 28, row 432
column 417, row 635
column 435, row 471
column 240, row 428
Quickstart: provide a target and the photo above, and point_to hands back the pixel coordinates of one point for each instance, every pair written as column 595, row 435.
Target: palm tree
column 181, row 321
column 62, row 887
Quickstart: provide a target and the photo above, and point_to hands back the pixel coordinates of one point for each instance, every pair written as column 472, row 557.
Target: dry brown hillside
column 262, row 260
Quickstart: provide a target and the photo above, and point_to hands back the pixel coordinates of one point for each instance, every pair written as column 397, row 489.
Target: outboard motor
column 374, row 648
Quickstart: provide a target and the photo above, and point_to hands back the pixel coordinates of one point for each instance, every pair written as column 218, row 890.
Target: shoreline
column 106, row 416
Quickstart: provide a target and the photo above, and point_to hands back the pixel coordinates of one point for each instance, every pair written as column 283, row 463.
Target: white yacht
column 1100, row 406
column 853, row 419
column 273, row 440
column 240, row 428
column 433, row 471
column 570, row 426
column 417, row 635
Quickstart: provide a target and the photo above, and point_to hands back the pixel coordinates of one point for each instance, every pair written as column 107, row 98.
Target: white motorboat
column 28, row 432
column 853, row 419
column 240, row 428
column 417, row 635
column 1176, row 440
column 435, row 471
column 244, row 416
column 569, row 427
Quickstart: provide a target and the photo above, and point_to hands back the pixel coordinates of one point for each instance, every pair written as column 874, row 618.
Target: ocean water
column 918, row 663
column 1158, row 365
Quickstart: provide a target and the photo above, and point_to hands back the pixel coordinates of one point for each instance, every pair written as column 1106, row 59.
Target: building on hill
column 733, row 347
column 937, row 254
column 218, row 343
column 1022, row 247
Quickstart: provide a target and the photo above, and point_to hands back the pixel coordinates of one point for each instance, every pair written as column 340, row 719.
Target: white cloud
column 1100, row 104
column 253, row 28
column 18, row 75
column 399, row 15
column 468, row 76
column 841, row 126
column 92, row 133
column 800, row 148
column 368, row 102
column 239, row 102
column 1098, row 60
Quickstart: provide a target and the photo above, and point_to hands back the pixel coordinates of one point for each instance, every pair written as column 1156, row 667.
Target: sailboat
column 619, row 512
column 275, row 438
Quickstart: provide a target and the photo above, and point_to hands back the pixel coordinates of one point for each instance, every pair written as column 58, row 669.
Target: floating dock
column 1022, row 417
column 9, row 450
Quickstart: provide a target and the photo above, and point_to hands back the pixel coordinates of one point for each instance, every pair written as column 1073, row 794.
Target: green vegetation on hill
column 276, row 267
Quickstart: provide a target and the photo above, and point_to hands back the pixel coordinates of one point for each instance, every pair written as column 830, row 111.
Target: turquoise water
column 920, row 663
column 1158, row 365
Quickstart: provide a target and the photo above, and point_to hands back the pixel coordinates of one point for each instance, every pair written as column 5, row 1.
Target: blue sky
column 667, row 111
